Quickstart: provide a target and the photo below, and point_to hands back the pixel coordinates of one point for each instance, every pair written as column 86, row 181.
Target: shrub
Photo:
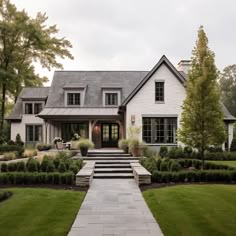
column 43, row 147
column 56, row 162
column 233, row 144
column 176, row 152
column 4, row 167
column 62, row 155
column 79, row 163
column 175, row 166
column 85, row 144
column 188, row 151
column 5, row 195
column 9, row 156
column 124, row 145
column 163, row 151
column 11, row 142
column 44, row 163
column 149, row 163
column 195, row 176
column 62, row 167
column 12, row 166
column 20, row 166
column 18, row 140
column 50, row 167
column 74, row 168
column 32, row 165
column 12, row 148
column 164, row 166
column 215, row 149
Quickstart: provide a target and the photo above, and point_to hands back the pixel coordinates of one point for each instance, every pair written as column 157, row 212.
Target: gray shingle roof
column 37, row 93
column 94, row 81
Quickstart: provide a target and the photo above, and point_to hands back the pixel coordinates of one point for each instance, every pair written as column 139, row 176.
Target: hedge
column 12, row 148
column 4, row 195
column 194, row 176
column 37, row 178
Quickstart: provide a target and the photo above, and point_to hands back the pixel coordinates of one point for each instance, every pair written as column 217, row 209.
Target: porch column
column 90, row 130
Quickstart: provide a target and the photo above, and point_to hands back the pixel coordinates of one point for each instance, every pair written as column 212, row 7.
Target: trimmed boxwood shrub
column 163, row 151
column 37, row 178
column 195, row 176
column 4, row 167
column 50, row 167
column 20, row 166
column 175, row 166
column 62, row 167
column 12, row 148
column 44, row 164
column 12, row 166
column 32, row 165
column 164, row 166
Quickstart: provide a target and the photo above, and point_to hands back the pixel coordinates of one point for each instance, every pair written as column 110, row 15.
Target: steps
column 111, row 164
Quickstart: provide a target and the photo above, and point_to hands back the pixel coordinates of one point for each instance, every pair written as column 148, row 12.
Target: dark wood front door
column 110, row 135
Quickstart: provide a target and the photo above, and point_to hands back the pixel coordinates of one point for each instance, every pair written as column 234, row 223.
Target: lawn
column 230, row 163
column 194, row 209
column 41, row 212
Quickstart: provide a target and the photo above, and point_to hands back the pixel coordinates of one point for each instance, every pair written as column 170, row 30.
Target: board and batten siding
column 143, row 103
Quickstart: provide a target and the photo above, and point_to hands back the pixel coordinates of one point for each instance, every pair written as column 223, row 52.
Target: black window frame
column 159, row 91
column 34, row 131
column 39, row 109
column 27, row 105
column 111, row 99
column 73, row 99
column 159, row 130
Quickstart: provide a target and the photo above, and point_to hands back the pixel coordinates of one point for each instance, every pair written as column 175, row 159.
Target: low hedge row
column 195, row 176
column 37, row 178
column 12, row 148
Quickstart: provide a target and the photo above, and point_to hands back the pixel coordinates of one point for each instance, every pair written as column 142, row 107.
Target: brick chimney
column 184, row 65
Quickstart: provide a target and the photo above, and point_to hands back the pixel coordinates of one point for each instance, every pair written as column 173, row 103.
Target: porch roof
column 76, row 112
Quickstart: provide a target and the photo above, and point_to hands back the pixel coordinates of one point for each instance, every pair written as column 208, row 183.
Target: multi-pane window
column 33, row 108
column 159, row 130
column 28, row 108
column 73, row 99
column 111, row 99
column 33, row 133
column 69, row 129
column 159, row 91
column 37, row 108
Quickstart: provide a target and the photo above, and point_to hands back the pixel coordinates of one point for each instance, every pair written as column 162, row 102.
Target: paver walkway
column 114, row 207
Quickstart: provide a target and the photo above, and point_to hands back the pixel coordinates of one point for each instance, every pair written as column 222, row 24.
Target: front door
column 110, row 135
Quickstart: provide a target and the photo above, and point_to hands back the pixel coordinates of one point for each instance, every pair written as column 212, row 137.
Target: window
column 111, row 99
column 69, row 129
column 73, row 99
column 34, row 133
column 28, row 108
column 159, row 91
column 37, row 108
column 159, row 130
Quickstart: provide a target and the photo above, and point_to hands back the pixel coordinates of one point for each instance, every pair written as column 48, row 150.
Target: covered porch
column 102, row 126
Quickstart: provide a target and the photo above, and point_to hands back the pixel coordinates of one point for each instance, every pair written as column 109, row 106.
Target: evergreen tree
column 202, row 118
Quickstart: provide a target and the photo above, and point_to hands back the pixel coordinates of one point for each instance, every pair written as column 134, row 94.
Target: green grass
column 192, row 210
column 230, row 163
column 41, row 212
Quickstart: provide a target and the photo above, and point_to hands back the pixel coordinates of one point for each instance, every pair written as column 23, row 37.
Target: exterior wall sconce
column 132, row 119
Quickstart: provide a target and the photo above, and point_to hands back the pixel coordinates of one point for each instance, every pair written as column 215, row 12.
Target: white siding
column 144, row 101
column 19, row 127
column 230, row 133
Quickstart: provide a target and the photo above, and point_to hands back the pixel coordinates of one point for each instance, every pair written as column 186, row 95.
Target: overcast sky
column 134, row 34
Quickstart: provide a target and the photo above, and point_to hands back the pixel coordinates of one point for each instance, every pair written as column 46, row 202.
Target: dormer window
column 33, row 108
column 111, row 99
column 73, row 99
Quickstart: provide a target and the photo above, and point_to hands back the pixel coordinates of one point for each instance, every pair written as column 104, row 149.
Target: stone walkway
column 114, row 207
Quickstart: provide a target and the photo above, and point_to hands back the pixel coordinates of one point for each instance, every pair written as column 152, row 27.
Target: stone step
column 108, row 155
column 109, row 158
column 113, row 170
column 115, row 161
column 113, row 176
column 105, row 165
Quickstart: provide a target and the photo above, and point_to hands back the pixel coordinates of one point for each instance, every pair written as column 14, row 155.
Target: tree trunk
column 3, row 105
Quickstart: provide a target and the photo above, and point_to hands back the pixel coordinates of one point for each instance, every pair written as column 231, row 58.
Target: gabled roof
column 227, row 114
column 163, row 60
column 34, row 94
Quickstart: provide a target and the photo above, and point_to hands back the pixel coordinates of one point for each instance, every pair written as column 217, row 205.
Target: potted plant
column 57, row 140
column 74, row 141
column 135, row 147
column 84, row 145
column 124, row 145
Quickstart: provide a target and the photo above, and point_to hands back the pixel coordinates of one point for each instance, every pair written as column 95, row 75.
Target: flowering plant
column 75, row 137
column 57, row 139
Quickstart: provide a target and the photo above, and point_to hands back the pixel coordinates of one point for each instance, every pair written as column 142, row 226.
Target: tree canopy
column 25, row 40
column 202, row 118
column 228, row 87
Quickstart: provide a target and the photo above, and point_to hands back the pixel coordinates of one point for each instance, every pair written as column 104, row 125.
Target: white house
column 102, row 105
